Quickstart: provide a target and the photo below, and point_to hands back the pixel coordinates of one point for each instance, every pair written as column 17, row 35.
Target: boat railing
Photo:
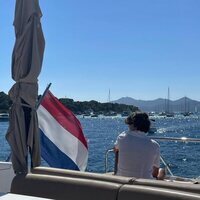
column 167, row 168
column 106, row 158
column 177, row 139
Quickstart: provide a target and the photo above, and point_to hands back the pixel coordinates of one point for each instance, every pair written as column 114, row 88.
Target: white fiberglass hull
column 6, row 176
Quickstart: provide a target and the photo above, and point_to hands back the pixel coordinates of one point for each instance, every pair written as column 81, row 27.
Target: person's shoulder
column 122, row 135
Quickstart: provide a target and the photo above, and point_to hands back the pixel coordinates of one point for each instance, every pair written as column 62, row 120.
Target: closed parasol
column 23, row 134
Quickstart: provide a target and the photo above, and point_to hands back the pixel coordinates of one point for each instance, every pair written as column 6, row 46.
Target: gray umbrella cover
column 23, row 132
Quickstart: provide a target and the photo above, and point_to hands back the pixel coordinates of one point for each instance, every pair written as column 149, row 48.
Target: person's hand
column 116, row 149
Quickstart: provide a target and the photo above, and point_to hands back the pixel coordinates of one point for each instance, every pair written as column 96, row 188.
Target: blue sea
column 182, row 158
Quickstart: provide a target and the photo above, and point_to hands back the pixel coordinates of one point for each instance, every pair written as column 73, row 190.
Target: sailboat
column 110, row 113
column 168, row 112
column 186, row 109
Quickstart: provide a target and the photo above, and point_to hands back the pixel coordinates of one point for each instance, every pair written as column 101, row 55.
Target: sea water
column 101, row 133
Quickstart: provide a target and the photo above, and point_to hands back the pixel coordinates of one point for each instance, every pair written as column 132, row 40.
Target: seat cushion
column 55, row 187
column 85, row 175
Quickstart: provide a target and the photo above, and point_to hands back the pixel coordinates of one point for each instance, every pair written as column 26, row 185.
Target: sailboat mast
column 185, row 105
column 168, row 97
column 109, row 96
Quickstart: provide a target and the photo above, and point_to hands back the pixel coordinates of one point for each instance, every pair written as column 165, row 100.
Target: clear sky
column 135, row 48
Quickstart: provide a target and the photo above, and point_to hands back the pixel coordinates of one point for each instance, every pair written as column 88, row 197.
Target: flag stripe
column 53, row 156
column 64, row 140
column 57, row 110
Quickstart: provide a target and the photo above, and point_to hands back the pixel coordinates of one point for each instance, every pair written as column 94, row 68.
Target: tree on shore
column 5, row 102
column 77, row 106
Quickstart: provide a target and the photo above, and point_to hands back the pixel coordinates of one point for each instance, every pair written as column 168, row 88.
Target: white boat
column 4, row 117
column 110, row 114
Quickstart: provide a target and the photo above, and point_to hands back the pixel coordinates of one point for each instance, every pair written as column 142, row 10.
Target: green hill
column 78, row 107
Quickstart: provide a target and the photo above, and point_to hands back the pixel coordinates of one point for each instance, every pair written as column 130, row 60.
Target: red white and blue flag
column 63, row 144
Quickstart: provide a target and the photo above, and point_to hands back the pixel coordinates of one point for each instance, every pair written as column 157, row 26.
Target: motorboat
column 94, row 115
column 110, row 114
column 169, row 114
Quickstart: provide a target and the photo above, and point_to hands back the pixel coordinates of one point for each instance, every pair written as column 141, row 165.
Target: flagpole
column 42, row 97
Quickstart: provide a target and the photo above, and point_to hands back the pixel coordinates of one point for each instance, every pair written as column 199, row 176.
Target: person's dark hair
column 139, row 120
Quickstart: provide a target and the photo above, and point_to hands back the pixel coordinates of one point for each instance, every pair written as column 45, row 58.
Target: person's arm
column 116, row 145
column 155, row 172
column 116, row 149
column 156, row 164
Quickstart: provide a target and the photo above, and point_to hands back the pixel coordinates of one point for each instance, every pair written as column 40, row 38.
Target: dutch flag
column 63, row 144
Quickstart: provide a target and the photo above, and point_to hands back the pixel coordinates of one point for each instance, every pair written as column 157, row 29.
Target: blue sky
column 135, row 48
